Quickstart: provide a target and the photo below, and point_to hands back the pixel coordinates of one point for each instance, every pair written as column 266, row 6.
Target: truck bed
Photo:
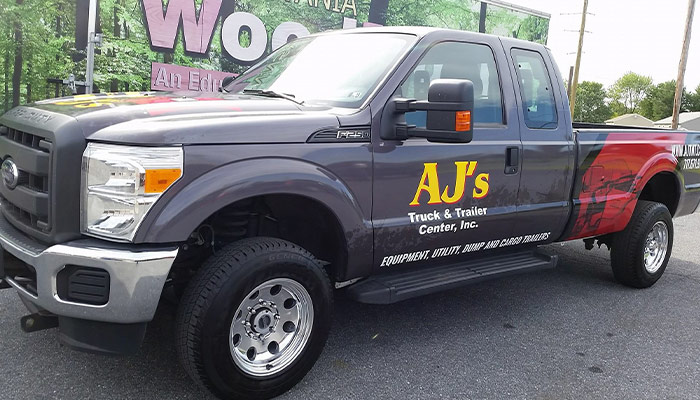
column 614, row 164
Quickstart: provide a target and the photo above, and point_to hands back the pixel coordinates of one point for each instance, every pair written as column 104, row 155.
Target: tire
column 212, row 346
column 650, row 221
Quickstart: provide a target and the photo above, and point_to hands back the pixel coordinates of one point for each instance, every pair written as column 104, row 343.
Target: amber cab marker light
column 463, row 121
column 157, row 180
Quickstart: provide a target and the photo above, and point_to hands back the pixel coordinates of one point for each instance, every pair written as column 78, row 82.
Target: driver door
column 444, row 202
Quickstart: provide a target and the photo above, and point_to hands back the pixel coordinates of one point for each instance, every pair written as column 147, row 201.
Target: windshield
column 330, row 70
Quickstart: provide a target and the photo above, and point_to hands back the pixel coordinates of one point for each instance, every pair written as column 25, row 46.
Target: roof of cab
column 419, row 31
column 414, row 30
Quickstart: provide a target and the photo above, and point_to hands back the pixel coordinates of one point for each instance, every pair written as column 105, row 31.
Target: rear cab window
column 539, row 106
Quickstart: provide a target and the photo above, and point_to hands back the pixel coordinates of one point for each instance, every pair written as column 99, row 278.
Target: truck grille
column 23, row 138
column 27, row 204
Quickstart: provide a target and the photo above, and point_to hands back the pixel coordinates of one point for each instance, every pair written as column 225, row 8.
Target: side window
column 539, row 107
column 456, row 60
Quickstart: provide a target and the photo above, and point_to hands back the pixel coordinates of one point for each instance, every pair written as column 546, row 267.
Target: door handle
column 512, row 160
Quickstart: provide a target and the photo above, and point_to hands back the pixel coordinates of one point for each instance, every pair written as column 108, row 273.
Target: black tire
column 627, row 254
column 210, row 301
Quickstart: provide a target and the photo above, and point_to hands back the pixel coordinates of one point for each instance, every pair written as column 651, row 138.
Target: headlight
column 121, row 183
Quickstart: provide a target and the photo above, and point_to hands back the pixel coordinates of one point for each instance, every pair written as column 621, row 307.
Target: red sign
column 172, row 77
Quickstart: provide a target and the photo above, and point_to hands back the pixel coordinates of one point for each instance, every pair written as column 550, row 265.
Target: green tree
column 658, row 103
column 590, row 103
column 124, row 62
column 630, row 90
column 35, row 37
column 617, row 108
column 694, row 100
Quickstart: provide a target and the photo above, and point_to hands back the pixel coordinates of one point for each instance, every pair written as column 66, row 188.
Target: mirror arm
column 405, row 131
column 408, row 105
column 404, row 105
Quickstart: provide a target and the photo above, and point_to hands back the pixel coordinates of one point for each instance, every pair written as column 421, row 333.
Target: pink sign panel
column 170, row 77
column 162, row 26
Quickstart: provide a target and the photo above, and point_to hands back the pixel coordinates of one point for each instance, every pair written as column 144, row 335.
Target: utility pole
column 681, row 66
column 574, row 85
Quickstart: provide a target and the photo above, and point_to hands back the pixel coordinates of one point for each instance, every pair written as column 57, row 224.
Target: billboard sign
column 247, row 30
column 190, row 45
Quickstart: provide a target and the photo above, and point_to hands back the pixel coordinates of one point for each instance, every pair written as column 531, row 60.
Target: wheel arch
column 663, row 187
column 661, row 182
column 213, row 191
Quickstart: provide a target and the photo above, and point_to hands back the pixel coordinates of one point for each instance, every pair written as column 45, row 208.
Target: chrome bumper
column 137, row 275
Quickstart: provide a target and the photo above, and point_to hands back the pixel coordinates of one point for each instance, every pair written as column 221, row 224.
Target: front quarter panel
column 336, row 175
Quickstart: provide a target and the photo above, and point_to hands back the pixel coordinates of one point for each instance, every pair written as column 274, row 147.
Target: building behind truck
column 689, row 121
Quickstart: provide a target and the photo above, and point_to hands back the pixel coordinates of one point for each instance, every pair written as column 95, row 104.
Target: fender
column 180, row 213
column 662, row 162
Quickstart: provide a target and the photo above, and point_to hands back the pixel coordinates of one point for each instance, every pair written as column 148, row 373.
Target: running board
column 404, row 284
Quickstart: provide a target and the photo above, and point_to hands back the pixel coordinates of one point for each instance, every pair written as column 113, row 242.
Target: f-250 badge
column 465, row 169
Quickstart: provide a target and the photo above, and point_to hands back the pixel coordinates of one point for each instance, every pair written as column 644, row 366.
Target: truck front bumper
column 136, row 276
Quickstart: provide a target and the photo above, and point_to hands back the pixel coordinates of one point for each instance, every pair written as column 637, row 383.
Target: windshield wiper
column 272, row 93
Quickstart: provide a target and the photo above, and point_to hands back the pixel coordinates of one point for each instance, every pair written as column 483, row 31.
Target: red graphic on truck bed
column 612, row 177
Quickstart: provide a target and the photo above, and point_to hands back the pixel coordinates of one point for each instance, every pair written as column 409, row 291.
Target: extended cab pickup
column 386, row 162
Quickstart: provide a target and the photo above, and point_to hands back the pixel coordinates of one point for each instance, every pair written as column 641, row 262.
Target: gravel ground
column 568, row 333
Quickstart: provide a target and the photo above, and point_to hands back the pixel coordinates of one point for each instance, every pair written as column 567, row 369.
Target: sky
column 642, row 36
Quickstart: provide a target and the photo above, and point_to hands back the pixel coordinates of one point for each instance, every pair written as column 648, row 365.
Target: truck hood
column 172, row 118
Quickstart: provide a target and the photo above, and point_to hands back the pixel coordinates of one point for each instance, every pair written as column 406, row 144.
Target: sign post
column 92, row 16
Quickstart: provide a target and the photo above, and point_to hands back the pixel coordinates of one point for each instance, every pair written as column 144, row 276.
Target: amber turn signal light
column 157, row 180
column 463, row 121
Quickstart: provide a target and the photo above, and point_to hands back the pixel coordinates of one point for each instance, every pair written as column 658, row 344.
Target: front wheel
column 255, row 319
column 641, row 252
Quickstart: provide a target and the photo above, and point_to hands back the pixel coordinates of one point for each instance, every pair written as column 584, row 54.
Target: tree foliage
column 658, row 103
column 694, row 100
column 630, row 90
column 590, row 103
column 617, row 108
column 46, row 33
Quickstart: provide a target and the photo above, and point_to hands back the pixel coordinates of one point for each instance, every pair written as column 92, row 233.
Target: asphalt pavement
column 567, row 333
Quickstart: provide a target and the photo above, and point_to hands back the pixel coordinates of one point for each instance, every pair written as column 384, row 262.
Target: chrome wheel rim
column 656, row 247
column 271, row 327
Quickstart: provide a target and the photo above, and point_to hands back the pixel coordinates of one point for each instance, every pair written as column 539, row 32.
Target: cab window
column 539, row 108
column 456, row 60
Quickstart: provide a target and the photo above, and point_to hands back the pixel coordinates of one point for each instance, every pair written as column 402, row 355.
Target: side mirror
column 448, row 112
column 227, row 81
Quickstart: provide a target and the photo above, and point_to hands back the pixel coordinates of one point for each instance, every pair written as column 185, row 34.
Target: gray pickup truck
column 386, row 162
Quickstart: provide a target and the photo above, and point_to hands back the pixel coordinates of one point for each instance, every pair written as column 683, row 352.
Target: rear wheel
column 255, row 319
column 641, row 252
